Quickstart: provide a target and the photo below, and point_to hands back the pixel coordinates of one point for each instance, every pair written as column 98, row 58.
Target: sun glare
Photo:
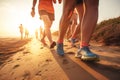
column 32, row 24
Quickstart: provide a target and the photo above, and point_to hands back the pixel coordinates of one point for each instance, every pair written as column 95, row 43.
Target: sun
column 33, row 24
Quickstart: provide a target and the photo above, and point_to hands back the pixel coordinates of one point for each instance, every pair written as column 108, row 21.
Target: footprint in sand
column 18, row 59
column 26, row 52
column 45, row 63
column 12, row 73
column 48, row 60
column 65, row 61
column 9, row 60
column 71, row 53
column 17, row 65
column 26, row 75
column 38, row 73
column 41, row 47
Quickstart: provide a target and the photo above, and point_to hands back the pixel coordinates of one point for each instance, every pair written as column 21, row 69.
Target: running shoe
column 53, row 44
column 60, row 50
column 86, row 54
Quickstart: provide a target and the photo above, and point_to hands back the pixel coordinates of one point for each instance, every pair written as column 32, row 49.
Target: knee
column 47, row 28
column 48, row 24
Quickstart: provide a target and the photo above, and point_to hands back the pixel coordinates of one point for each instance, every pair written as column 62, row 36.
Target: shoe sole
column 90, row 58
column 77, row 56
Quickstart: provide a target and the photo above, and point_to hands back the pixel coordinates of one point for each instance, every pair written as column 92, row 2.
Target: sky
column 16, row 12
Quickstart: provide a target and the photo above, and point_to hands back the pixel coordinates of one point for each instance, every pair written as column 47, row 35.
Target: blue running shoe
column 60, row 50
column 86, row 54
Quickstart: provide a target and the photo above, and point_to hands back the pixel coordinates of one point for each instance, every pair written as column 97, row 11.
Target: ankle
column 84, row 44
column 60, row 41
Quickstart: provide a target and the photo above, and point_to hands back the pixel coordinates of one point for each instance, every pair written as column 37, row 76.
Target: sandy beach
column 29, row 60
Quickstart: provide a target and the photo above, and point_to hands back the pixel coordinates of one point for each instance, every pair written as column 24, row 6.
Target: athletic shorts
column 79, row 1
column 50, row 15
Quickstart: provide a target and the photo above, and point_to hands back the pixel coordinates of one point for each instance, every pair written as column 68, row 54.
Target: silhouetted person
column 26, row 33
column 36, row 33
column 21, row 30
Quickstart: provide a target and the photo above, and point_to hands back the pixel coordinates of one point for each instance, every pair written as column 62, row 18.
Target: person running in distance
column 89, row 20
column 72, row 25
column 21, row 30
column 36, row 33
column 26, row 33
column 46, row 12
column 71, row 34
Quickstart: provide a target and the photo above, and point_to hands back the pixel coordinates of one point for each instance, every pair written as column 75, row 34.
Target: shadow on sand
column 76, row 72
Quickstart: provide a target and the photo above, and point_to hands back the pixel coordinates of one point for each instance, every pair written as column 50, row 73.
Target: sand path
column 36, row 62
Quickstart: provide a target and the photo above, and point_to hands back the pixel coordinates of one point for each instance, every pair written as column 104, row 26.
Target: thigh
column 91, row 3
column 46, row 17
column 68, row 8
column 68, row 5
column 46, row 20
